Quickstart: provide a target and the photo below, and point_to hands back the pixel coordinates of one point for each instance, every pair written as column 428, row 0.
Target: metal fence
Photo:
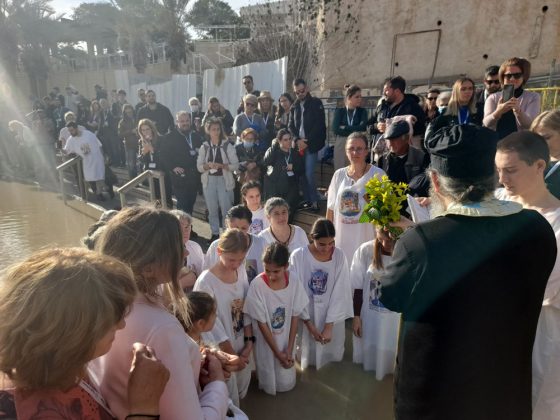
column 550, row 99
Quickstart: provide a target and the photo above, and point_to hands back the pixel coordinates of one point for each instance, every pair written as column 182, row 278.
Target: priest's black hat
column 463, row 151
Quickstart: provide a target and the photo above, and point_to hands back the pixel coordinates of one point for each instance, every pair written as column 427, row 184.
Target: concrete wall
column 356, row 41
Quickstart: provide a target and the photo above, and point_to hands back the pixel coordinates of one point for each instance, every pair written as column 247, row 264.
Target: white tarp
column 225, row 84
column 174, row 94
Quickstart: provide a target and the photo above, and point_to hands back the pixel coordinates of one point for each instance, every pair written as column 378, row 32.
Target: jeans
column 309, row 188
column 131, row 155
column 215, row 195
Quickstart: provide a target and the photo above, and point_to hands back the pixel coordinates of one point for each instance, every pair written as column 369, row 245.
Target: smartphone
column 507, row 93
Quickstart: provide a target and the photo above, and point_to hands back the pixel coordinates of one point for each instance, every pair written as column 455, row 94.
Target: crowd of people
column 462, row 308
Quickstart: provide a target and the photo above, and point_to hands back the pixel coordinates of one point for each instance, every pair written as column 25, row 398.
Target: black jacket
column 446, row 120
column 175, row 152
column 470, row 291
column 161, row 116
column 417, row 161
column 277, row 177
column 313, row 122
column 408, row 106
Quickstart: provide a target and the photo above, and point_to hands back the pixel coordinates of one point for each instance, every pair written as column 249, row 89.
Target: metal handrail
column 75, row 161
column 149, row 175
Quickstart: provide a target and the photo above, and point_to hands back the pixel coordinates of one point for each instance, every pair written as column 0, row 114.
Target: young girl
column 194, row 256
column 239, row 217
column 277, row 212
column 251, row 194
column 375, row 327
column 156, row 263
column 228, row 285
column 322, row 270
column 275, row 303
column 283, row 166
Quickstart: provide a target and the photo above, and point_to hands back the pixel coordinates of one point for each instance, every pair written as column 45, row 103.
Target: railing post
column 81, row 183
column 152, row 188
column 161, row 180
column 61, row 179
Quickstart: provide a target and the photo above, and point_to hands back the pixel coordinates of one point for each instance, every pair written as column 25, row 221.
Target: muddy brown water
column 32, row 219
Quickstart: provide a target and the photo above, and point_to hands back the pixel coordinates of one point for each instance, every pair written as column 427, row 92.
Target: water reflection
column 31, row 219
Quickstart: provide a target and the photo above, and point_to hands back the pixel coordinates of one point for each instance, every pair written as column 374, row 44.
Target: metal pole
column 161, row 180
column 123, row 200
column 152, row 189
column 61, row 179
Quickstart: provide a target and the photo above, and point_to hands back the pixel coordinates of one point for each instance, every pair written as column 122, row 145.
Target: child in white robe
column 228, row 286
column 322, row 270
column 375, row 328
column 275, row 303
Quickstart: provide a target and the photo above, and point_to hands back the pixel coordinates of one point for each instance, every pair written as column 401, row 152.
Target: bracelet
column 149, row 416
column 252, row 339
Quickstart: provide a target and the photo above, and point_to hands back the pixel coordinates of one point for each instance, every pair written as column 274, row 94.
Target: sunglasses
column 431, row 99
column 300, row 92
column 492, row 82
column 513, row 76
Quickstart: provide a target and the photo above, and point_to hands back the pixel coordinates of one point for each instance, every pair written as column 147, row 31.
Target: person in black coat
column 470, row 286
column 308, row 128
column 156, row 112
column 178, row 153
column 284, row 165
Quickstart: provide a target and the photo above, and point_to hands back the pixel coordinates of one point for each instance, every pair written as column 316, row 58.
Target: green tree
column 172, row 23
column 206, row 13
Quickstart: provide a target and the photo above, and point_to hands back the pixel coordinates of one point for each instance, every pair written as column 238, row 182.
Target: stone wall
column 365, row 41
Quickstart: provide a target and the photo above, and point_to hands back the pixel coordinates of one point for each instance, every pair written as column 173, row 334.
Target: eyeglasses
column 492, row 82
column 431, row 99
column 300, row 91
column 355, row 149
column 513, row 76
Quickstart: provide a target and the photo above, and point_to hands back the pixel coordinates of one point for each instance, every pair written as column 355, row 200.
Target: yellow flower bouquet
column 384, row 202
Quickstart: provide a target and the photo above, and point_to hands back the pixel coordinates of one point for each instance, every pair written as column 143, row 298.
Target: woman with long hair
column 74, row 301
column 217, row 160
column 519, row 111
column 92, row 123
column 150, row 155
column 348, row 120
column 461, row 109
column 282, row 116
column 150, row 242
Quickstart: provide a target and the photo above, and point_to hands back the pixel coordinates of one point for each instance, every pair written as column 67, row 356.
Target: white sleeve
column 300, row 303
column 333, row 189
column 255, row 306
column 211, row 256
column 340, row 304
column 357, row 269
column 69, row 146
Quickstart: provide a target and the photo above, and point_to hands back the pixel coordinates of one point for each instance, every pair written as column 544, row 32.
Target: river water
column 31, row 219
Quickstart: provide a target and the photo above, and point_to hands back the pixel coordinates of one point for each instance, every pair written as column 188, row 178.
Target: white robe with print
column 327, row 285
column 259, row 223
column 230, row 321
column 299, row 238
column 88, row 147
column 377, row 348
column 253, row 261
column 275, row 308
column 346, row 199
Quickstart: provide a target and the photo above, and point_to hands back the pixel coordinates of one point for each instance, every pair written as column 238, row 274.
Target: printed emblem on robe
column 278, row 319
column 237, row 316
column 257, row 226
column 318, row 282
column 349, row 206
column 251, row 268
column 375, row 294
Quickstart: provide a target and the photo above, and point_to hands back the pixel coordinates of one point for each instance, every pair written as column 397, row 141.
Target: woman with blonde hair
column 461, row 109
column 228, row 286
column 150, row 242
column 151, row 156
column 519, row 111
column 216, row 162
column 74, row 302
column 547, row 124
